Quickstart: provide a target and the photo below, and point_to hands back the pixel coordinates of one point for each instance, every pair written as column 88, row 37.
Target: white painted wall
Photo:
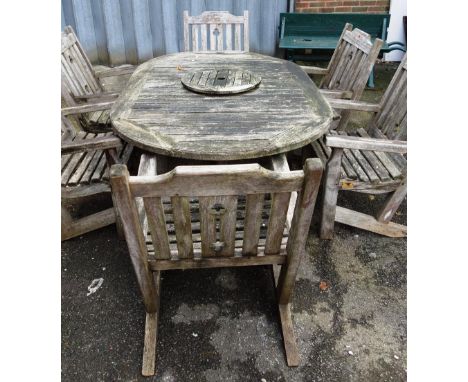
column 395, row 30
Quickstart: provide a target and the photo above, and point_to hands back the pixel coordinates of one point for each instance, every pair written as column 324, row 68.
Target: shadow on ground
column 222, row 324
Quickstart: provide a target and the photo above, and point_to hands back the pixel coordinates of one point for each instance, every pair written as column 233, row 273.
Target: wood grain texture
column 207, row 227
column 157, row 114
column 151, row 332
column 219, row 24
column 369, row 223
column 128, row 212
column 224, row 81
column 377, row 157
column 300, row 228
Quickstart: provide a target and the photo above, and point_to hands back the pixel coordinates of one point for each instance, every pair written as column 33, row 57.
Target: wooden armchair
column 349, row 68
column 81, row 84
column 214, row 216
column 84, row 172
column 205, row 33
column 369, row 161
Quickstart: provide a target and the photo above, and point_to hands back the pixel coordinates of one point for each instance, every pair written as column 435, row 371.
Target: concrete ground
column 222, row 324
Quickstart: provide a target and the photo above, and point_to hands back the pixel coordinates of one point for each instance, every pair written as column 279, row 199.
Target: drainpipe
column 291, row 6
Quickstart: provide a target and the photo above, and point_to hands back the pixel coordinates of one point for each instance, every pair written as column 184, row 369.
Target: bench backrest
column 216, row 32
column 216, row 211
column 391, row 118
column 332, row 24
column 78, row 77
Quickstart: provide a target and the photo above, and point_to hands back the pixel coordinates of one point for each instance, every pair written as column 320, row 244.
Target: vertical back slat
column 212, row 37
column 351, row 60
column 183, row 226
column 220, row 38
column 195, row 38
column 204, row 38
column 228, row 36
column 237, row 37
column 340, row 68
column 87, row 70
column 335, row 58
column 252, row 223
column 276, row 222
column 207, row 225
column 157, row 225
column 228, row 225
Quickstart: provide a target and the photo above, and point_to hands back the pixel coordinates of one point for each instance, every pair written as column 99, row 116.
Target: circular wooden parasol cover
column 220, row 81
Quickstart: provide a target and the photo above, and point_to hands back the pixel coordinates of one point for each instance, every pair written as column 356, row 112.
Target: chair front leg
column 392, row 203
column 330, row 193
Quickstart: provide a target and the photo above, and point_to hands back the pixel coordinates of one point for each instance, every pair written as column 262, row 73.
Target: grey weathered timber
column 349, row 68
column 216, row 32
column 83, row 174
column 80, row 83
column 377, row 156
column 220, row 81
column 209, row 226
column 158, row 114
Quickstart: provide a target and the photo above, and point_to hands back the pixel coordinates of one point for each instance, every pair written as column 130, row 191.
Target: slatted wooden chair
column 80, row 82
column 349, row 68
column 84, row 173
column 214, row 216
column 371, row 161
column 216, row 31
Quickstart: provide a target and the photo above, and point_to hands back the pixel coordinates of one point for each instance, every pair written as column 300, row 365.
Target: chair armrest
column 87, row 108
column 370, row 144
column 353, row 105
column 100, row 143
column 99, row 97
column 314, row 70
column 120, row 71
column 347, row 94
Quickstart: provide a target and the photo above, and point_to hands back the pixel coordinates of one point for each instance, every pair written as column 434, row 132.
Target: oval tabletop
column 157, row 113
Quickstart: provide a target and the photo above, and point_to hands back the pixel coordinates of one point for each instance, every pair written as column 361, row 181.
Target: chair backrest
column 230, row 215
column 352, row 61
column 351, row 65
column 78, row 77
column 216, row 31
column 391, row 118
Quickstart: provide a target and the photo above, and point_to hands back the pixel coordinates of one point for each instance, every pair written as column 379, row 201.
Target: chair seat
column 96, row 121
column 196, row 236
column 100, row 120
column 88, row 167
column 361, row 168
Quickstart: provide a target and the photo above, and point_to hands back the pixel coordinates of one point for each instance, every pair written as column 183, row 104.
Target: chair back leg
column 330, row 193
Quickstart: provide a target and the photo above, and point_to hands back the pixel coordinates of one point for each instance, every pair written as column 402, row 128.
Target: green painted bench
column 321, row 32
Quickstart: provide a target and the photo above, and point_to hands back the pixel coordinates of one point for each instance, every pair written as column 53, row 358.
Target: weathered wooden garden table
column 158, row 114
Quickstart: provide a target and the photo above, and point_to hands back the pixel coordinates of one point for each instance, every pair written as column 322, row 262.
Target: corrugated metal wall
column 115, row 32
